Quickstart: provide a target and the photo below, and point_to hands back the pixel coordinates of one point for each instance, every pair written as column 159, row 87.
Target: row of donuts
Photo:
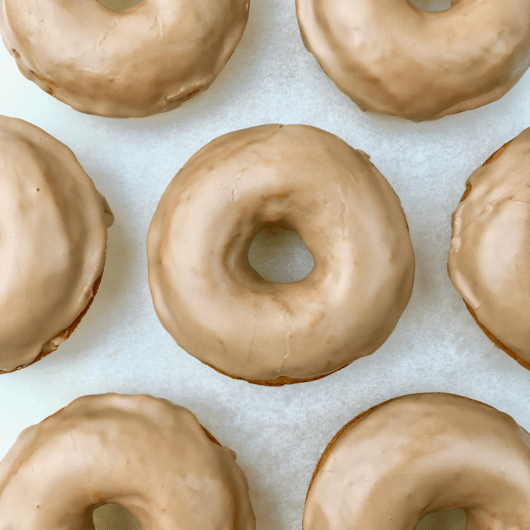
column 396, row 58
column 206, row 293
column 156, row 460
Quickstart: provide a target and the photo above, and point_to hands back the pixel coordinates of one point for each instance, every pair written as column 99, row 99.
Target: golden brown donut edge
column 64, row 334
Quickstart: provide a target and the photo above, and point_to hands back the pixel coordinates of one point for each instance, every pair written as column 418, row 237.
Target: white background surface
column 120, row 346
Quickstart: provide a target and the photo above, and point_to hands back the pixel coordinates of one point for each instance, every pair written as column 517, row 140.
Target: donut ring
column 394, row 58
column 143, row 453
column 53, row 250
column 147, row 59
column 418, row 454
column 221, row 311
column 490, row 248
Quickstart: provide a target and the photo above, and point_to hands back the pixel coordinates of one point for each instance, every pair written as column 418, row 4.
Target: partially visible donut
column 147, row 59
column 220, row 310
column 143, row 453
column 392, row 57
column 53, row 239
column 489, row 259
column 418, row 454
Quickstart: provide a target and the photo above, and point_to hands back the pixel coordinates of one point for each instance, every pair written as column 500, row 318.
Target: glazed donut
column 147, row 59
column 53, row 226
column 221, row 311
column 392, row 57
column 489, row 259
column 143, row 453
column 418, row 454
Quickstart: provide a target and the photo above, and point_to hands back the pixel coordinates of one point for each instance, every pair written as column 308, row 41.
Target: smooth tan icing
column 53, row 237
column 489, row 259
column 219, row 310
column 392, row 57
column 419, row 454
column 143, row 453
column 147, row 59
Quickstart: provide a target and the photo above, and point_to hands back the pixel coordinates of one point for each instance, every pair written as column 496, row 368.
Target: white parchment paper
column 120, row 346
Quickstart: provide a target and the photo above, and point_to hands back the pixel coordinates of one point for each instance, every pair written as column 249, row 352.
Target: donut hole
column 114, row 517
column 452, row 519
column 278, row 254
column 118, row 5
column 432, row 5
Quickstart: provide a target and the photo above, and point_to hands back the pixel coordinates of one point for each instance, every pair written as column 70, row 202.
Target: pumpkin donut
column 53, row 226
column 218, row 308
column 145, row 454
column 489, row 259
column 392, row 57
column 143, row 60
column 419, row 454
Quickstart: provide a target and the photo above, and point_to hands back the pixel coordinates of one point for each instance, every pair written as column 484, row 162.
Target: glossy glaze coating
column 143, row 453
column 489, row 259
column 53, row 237
column 416, row 455
column 392, row 57
column 147, row 59
column 218, row 308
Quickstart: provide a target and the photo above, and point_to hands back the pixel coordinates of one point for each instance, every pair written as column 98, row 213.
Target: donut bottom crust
column 280, row 381
column 51, row 345
column 496, row 341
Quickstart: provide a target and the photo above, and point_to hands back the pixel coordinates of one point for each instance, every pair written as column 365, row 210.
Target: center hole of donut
column 278, row 254
column 432, row 5
column 114, row 517
column 118, row 5
column 452, row 519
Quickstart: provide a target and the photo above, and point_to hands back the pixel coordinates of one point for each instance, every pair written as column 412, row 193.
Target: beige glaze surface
column 143, row 453
column 418, row 454
column 147, row 59
column 121, row 345
column 219, row 310
column 53, row 236
column 489, row 259
column 392, row 57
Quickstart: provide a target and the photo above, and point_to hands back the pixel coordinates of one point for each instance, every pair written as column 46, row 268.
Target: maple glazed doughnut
column 143, row 60
column 221, row 311
column 392, row 57
column 53, row 239
column 489, row 259
column 419, row 454
column 145, row 454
